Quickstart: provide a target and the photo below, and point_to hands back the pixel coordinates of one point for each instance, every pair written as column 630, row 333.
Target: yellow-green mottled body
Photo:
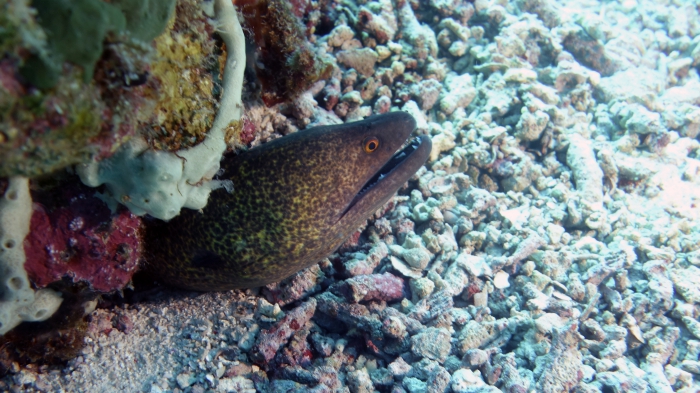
column 295, row 200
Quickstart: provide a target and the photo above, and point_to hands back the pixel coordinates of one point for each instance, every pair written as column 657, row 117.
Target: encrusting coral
column 139, row 69
column 161, row 183
column 74, row 235
column 73, row 79
column 184, row 79
column 286, row 64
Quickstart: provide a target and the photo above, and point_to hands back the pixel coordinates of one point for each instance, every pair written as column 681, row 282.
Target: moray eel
column 296, row 199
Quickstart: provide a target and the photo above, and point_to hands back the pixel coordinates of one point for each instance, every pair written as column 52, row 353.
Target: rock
column 339, row 35
column 236, row 384
column 356, row 289
column 362, row 60
column 442, row 142
column 411, row 107
column 689, row 94
column 184, row 380
column 500, row 280
column 419, row 40
column 427, row 92
column 382, row 24
column 360, row 382
column 547, row 10
column 438, row 381
column 640, row 84
column 587, row 175
column 685, row 283
column 531, row 125
column 421, row 288
column 467, row 381
column 590, row 52
column 399, row 368
column 520, row 75
column 561, row 368
column 271, row 340
column 461, row 93
column 414, row 385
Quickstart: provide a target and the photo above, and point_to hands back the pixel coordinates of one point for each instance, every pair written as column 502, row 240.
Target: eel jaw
column 400, row 167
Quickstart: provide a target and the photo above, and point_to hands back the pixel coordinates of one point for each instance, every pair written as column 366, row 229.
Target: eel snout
column 396, row 171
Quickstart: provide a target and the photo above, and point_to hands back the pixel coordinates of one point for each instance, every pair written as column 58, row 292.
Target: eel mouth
column 389, row 169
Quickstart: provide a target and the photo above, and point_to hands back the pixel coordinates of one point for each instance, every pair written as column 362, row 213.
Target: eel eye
column 370, row 144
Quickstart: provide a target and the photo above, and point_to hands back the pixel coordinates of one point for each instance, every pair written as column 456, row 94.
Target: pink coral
column 271, row 340
column 84, row 241
column 248, row 131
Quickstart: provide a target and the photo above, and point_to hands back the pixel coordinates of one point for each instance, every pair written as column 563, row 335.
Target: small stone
column 237, row 384
column 394, row 327
column 442, row 142
column 458, row 48
column 403, row 268
column 476, row 357
column 548, row 321
column 399, row 368
column 464, row 381
column 383, row 52
column 418, row 258
column 421, row 288
column 500, row 280
column 184, row 380
column 481, row 299
column 352, row 97
column 520, row 75
column 438, row 381
column 414, row 385
column 339, row 35
column 692, row 325
column 385, row 287
column 25, row 378
column 432, row 343
column 362, row 60
column 685, row 283
column 360, row 382
column 155, row 389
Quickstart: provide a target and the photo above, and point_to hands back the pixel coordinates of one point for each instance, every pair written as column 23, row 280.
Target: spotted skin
column 294, row 202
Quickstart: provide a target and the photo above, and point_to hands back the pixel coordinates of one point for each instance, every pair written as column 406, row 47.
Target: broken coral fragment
column 271, row 340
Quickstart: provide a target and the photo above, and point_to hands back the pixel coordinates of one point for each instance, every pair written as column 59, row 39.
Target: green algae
column 146, row 20
column 75, row 33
